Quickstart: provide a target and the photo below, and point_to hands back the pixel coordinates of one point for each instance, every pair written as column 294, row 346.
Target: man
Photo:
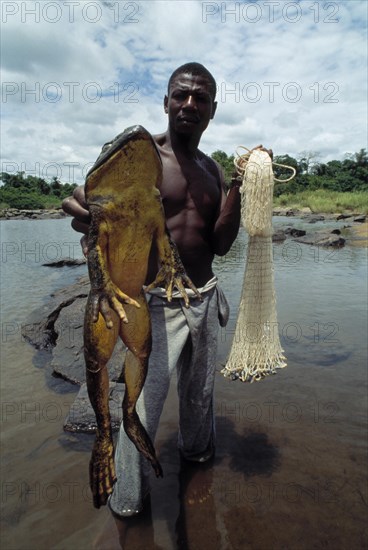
column 202, row 221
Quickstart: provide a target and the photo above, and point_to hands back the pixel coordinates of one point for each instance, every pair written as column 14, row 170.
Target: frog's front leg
column 104, row 294
column 108, row 297
column 171, row 272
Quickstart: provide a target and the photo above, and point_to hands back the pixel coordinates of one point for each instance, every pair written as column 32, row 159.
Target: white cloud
column 294, row 79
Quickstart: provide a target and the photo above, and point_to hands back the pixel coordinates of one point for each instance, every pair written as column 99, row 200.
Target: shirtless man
column 202, row 221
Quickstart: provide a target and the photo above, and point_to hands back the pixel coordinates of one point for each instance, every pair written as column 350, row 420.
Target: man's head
column 195, row 69
column 190, row 102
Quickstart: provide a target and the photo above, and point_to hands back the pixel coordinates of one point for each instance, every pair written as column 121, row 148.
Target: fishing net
column 256, row 350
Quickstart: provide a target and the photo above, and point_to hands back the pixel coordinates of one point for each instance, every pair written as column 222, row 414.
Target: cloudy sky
column 291, row 75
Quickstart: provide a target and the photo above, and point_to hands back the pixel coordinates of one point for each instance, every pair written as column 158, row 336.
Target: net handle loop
column 241, row 161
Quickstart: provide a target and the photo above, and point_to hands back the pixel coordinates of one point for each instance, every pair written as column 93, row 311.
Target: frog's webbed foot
column 174, row 276
column 102, row 470
column 107, row 298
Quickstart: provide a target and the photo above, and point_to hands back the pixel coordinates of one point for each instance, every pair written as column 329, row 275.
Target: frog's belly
column 127, row 258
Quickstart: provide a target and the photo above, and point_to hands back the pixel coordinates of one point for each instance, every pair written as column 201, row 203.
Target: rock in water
column 81, row 417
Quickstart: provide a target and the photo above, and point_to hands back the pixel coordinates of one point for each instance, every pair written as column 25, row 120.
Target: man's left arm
column 227, row 224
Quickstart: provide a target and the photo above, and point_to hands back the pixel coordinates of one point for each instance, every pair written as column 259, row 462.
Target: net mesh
column 256, row 350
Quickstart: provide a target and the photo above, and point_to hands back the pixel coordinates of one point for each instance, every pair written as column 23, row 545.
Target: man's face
column 190, row 105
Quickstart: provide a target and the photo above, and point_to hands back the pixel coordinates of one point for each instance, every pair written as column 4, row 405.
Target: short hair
column 195, row 69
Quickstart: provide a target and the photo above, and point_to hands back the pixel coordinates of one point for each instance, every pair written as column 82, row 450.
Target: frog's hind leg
column 99, row 343
column 136, row 335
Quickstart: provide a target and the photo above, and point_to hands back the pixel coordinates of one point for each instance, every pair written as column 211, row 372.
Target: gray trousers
column 185, row 339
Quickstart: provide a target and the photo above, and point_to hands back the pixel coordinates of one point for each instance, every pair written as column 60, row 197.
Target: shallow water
column 290, row 466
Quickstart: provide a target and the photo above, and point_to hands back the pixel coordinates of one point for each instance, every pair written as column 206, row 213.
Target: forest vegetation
column 335, row 186
column 32, row 192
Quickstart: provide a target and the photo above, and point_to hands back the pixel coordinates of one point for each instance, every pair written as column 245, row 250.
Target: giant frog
column 127, row 218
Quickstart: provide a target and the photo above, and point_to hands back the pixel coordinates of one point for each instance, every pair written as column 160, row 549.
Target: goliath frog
column 127, row 219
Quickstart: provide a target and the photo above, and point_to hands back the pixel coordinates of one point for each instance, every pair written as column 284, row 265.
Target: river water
column 291, row 463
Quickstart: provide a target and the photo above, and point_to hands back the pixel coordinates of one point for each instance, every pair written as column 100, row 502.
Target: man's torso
column 191, row 192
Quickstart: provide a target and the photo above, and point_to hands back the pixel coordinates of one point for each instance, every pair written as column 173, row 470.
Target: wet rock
column 81, row 417
column 322, row 238
column 39, row 328
column 69, row 262
column 58, row 327
column 316, row 218
column 284, row 212
column 278, row 236
column 336, row 232
column 360, row 219
column 343, row 216
column 293, row 232
column 37, row 214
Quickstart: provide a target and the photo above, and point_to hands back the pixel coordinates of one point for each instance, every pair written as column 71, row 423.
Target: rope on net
column 256, row 350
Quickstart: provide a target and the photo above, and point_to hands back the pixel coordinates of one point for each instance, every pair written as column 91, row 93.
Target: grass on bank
column 322, row 200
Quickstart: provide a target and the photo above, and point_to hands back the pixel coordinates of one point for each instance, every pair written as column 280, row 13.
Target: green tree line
column 31, row 192
column 348, row 175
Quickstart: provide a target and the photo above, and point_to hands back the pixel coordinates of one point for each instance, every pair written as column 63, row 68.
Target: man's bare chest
column 189, row 186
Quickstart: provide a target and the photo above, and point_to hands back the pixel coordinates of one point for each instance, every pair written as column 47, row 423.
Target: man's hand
column 269, row 151
column 236, row 178
column 77, row 207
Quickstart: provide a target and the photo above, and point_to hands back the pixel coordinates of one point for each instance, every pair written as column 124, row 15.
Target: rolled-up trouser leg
column 196, row 378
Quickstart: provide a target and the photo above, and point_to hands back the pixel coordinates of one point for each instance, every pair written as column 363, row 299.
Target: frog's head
column 132, row 158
